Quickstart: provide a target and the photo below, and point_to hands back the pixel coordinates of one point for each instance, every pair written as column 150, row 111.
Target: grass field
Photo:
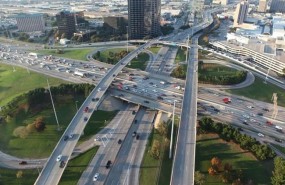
column 180, row 56
column 13, row 84
column 140, row 62
column 155, row 50
column 8, row 177
column 40, row 144
column 216, row 70
column 150, row 167
column 105, row 54
column 261, row 91
column 76, row 167
column 210, row 145
column 77, row 54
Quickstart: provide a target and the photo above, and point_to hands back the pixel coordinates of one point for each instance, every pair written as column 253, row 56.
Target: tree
column 155, row 149
column 39, row 124
column 162, row 128
column 19, row 174
column 278, row 176
column 228, row 167
column 212, row 171
column 216, row 163
column 199, row 178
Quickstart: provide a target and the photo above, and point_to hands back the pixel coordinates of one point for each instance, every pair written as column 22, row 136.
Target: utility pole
column 187, row 48
column 58, row 127
column 172, row 129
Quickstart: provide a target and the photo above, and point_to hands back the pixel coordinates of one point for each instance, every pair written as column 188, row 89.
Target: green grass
column 105, row 54
column 150, row 167
column 210, row 145
column 41, row 144
column 181, row 55
column 76, row 167
column 155, row 50
column 216, row 70
column 261, row 91
column 140, row 62
column 77, row 54
column 8, row 177
column 280, row 148
column 13, row 84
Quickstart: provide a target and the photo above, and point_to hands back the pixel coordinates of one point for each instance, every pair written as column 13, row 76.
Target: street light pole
column 187, row 43
column 58, row 128
column 76, row 106
column 172, row 129
column 127, row 39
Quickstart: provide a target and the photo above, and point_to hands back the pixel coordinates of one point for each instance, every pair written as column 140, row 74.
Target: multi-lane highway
column 52, row 172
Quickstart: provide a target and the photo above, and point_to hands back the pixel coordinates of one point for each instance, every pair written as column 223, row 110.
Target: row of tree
column 278, row 175
column 229, row 133
column 40, row 96
column 113, row 57
column 229, row 79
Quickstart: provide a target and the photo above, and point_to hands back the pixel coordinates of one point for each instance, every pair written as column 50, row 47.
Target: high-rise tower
column 144, row 18
column 240, row 13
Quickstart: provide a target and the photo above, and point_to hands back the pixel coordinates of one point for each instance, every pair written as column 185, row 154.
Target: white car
column 278, row 127
column 96, row 176
column 58, row 158
column 99, row 89
column 260, row 135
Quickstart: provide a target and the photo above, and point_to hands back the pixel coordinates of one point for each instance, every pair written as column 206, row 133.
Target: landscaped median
column 156, row 166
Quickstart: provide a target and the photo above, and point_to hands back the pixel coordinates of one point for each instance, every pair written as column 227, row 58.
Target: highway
column 51, row 172
column 184, row 159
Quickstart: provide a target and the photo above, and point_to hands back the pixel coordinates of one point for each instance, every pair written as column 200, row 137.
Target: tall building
column 144, row 18
column 30, row 22
column 277, row 6
column 224, row 2
column 262, row 6
column 240, row 13
column 66, row 23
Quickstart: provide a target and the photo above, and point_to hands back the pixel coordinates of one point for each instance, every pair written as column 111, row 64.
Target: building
column 240, row 13
column 262, row 6
column 277, row 6
column 144, row 18
column 66, row 23
column 278, row 28
column 224, row 2
column 30, row 22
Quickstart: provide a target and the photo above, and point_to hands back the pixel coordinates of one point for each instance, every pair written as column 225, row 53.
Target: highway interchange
column 103, row 77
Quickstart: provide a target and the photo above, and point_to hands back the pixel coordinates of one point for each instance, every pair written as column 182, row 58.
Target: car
column 85, row 118
column 135, row 121
column 114, row 75
column 65, row 138
column 70, row 136
column 58, row 158
column 108, row 164
column 96, row 176
column 260, row 135
column 250, row 107
column 23, row 163
column 97, row 138
column 145, row 78
column 99, row 89
column 133, row 112
column 278, row 140
column 159, row 98
column 62, row 164
column 86, row 109
column 137, row 137
column 119, row 141
column 269, row 123
column 134, row 134
column 265, row 109
column 146, row 101
column 260, row 114
column 245, row 122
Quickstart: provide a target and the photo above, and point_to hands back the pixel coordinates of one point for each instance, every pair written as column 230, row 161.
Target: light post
column 172, row 129
column 127, row 39
column 76, row 106
column 58, row 127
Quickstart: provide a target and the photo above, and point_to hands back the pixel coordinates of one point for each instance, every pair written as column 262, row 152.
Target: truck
column 162, row 82
column 227, row 100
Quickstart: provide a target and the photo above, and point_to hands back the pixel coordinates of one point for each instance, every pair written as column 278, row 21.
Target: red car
column 269, row 123
column 86, row 109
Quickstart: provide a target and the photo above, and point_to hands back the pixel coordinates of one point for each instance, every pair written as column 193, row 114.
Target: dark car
column 134, row 134
column 260, row 114
column 136, row 121
column 265, row 109
column 278, row 140
column 85, row 118
column 146, row 101
column 134, row 112
column 108, row 164
column 145, row 78
column 245, row 123
column 23, row 163
column 62, row 164
column 114, row 75
column 119, row 141
column 138, row 137
column 65, row 138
